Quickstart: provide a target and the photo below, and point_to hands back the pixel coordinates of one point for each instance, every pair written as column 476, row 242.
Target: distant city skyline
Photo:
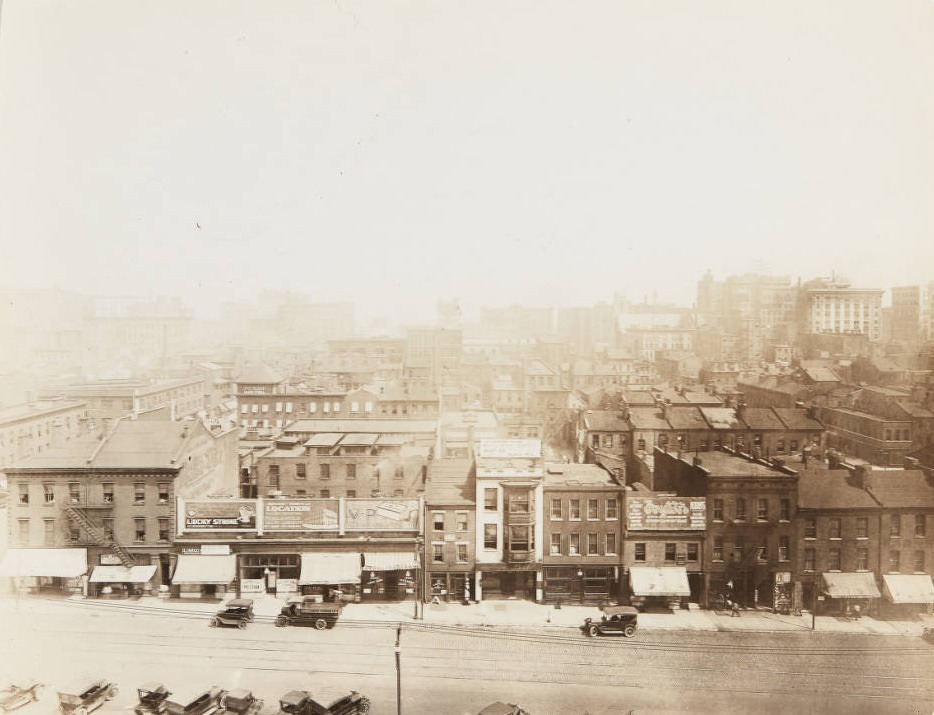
column 404, row 153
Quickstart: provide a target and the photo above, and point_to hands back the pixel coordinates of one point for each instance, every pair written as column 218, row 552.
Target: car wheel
column 629, row 631
column 215, row 623
column 282, row 621
column 80, row 710
column 364, row 705
column 113, row 692
column 321, row 624
column 241, row 625
column 593, row 630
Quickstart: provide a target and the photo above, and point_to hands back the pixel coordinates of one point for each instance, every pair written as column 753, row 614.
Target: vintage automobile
column 15, row 696
column 928, row 634
column 242, row 702
column 300, row 702
column 237, row 612
column 615, row 621
column 152, row 697
column 501, row 708
column 305, row 611
column 87, row 699
column 201, row 702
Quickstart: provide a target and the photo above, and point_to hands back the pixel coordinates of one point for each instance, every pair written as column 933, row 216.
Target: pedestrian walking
column 734, row 609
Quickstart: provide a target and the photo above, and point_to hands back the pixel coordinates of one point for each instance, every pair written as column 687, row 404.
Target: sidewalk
column 516, row 613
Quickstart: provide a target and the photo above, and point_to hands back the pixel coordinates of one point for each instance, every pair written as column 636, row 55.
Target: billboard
column 227, row 515
column 665, row 513
column 300, row 514
column 381, row 514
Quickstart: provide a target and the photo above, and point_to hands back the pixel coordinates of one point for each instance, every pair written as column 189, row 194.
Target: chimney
column 863, row 473
column 740, row 410
column 911, row 463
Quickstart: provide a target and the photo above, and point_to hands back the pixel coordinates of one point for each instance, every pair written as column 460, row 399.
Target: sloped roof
column 638, row 397
column 902, row 488
column 450, row 482
column 821, row 374
column 258, row 375
column 686, row 417
column 648, row 418
column 762, row 418
column 605, row 421
column 822, row 488
column 795, row 418
column 722, row 418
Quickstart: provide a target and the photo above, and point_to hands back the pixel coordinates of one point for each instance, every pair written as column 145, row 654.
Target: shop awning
column 850, row 585
column 389, row 561
column 908, row 588
column 122, row 574
column 660, row 581
column 318, row 569
column 64, row 563
column 197, row 568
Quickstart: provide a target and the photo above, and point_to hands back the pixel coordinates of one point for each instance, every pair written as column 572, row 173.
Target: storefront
column 118, row 581
column 269, row 573
column 507, row 585
column 55, row 570
column 849, row 594
column 571, row 584
column 908, row 594
column 658, row 586
column 205, row 575
column 331, row 576
column 451, row 586
column 389, row 576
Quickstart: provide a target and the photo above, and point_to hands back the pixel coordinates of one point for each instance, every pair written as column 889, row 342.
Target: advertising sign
column 381, row 514
column 224, row 515
column 666, row 513
column 300, row 514
column 287, row 585
column 252, row 585
column 110, row 560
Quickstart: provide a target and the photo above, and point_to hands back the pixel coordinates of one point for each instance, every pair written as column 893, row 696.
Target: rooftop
column 723, row 464
column 450, row 482
column 902, row 488
column 570, row 476
column 822, row 488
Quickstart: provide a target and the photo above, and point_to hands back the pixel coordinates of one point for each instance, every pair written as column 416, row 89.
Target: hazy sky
column 394, row 153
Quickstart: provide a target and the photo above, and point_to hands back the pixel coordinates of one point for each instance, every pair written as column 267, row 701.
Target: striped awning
column 389, row 561
column 122, row 574
column 63, row 563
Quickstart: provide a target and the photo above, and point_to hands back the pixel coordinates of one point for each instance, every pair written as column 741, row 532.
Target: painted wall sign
column 252, row 585
column 300, row 514
column 665, row 513
column 227, row 515
column 381, row 514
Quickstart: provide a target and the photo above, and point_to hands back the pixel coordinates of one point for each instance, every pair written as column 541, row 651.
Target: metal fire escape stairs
column 99, row 536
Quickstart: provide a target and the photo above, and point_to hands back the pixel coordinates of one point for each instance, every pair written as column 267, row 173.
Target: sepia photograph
column 458, row 357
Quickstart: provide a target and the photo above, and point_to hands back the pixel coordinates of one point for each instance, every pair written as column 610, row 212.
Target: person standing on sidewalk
column 734, row 609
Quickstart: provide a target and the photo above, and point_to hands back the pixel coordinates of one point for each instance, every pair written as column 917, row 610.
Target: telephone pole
column 398, row 672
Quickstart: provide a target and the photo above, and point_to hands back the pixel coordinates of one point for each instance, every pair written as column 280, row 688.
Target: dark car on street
column 501, row 708
column 201, row 702
column 16, row 696
column 300, row 702
column 242, row 702
column 238, row 612
column 152, row 697
column 306, row 611
column 615, row 621
column 87, row 698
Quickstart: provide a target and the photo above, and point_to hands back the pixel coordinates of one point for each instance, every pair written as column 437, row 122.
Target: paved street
column 459, row 669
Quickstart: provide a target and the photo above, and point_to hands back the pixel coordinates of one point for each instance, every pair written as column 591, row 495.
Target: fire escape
column 98, row 535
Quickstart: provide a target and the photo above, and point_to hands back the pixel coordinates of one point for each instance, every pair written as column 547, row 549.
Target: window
column 325, row 471
column 23, row 525
column 556, row 510
column 834, row 527
column 351, row 471
column 738, row 548
column 108, row 527
column 351, row 493
column 717, row 554
column 163, row 529
column 592, row 544
column 49, row 491
column 784, row 512
column 555, row 545
column 793, row 445
column 894, row 561
column 139, row 493
column 575, row 510
column 326, row 407
column 862, row 559
column 460, row 521
column 895, row 525
column 780, row 446
column 762, row 510
column 670, row 552
column 489, row 499
column 244, row 409
column 920, row 526
column 640, row 552
column 367, row 407
column 437, row 552
column 437, row 520
column 312, row 407
column 833, row 560
column 519, row 503
column 610, row 544
column 489, row 536
column 693, row 552
column 399, row 473
column 641, row 444
column 325, row 493
column 740, row 510
column 74, row 534
column 809, row 559
column 607, row 440
column 762, row 552
column 354, row 406
column 140, row 530
column 593, row 509
column 919, row 561
column 461, row 549
column 74, row 492
column 574, row 544
column 278, row 407
column 266, row 408
column 810, row 528
column 718, row 510
column 595, row 441
column 612, row 509
column 519, row 538
column 23, row 493
column 336, row 407
column 300, row 471
column 862, row 527
column 288, row 407
column 784, row 547
column 48, row 531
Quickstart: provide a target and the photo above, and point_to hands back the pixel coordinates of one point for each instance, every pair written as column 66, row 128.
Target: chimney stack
column 911, row 463
column 863, row 474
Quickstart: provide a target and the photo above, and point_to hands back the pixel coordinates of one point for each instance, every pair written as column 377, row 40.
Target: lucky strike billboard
column 227, row 515
column 665, row 513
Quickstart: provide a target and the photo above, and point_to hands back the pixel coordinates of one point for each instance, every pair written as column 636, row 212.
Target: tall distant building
column 912, row 315
column 833, row 306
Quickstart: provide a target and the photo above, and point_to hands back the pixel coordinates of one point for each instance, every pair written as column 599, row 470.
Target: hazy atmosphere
column 396, row 153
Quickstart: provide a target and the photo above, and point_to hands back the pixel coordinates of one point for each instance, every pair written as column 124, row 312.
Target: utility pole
column 398, row 672
column 814, row 604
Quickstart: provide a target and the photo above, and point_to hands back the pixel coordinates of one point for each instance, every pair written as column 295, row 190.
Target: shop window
column 670, row 550
column 895, row 525
column 718, row 510
column 919, row 561
column 574, row 544
column 300, row 471
column 139, row 493
column 74, row 492
column 23, row 531
column 592, row 544
column 693, row 552
column 489, row 536
column 612, row 509
column 163, row 529
column 48, row 532
column 610, row 544
column 762, row 510
column 556, row 510
column 740, row 510
column 833, row 560
column 833, row 527
column 574, row 510
column 920, row 525
column 784, row 513
column 325, row 471
column 139, row 530
column 862, row 527
column 784, row 548
column 437, row 520
column 810, row 528
column 639, row 551
column 461, row 519
column 810, row 556
column 23, row 493
column 462, row 552
column 593, row 509
column 49, row 492
column 862, row 559
column 437, row 552
column 555, row 545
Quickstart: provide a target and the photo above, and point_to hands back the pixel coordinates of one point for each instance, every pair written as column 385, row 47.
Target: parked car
column 152, row 697
column 242, row 702
column 202, row 702
column 15, row 696
column 87, row 699
column 305, row 611
column 615, row 621
column 501, row 708
column 237, row 612
column 928, row 634
column 300, row 702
